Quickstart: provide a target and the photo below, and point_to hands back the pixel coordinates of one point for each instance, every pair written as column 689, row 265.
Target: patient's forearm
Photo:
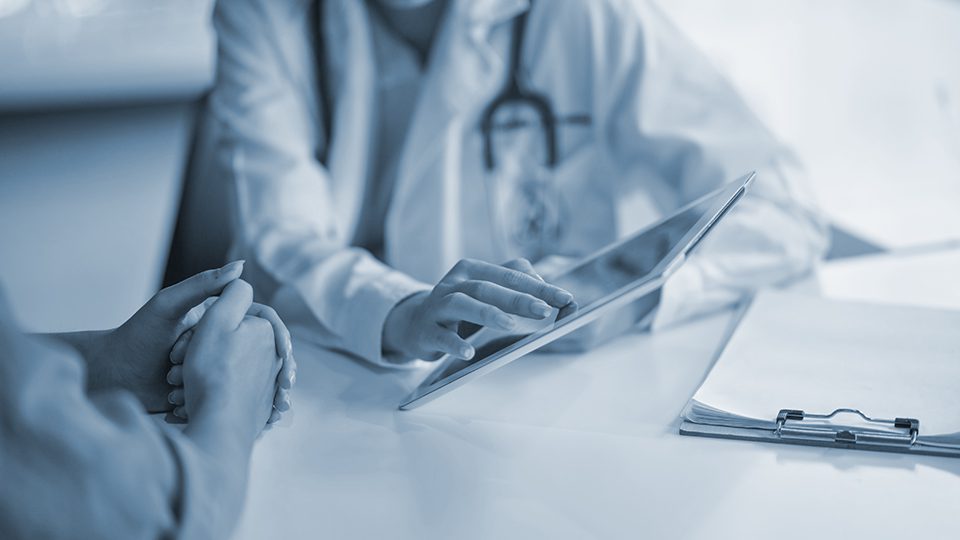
column 103, row 371
column 227, row 450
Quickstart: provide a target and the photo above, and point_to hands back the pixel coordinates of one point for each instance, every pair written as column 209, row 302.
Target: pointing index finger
column 520, row 281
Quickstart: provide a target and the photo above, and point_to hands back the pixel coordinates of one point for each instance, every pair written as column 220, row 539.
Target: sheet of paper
column 803, row 352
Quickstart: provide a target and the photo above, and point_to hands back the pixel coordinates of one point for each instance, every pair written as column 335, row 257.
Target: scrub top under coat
column 665, row 129
column 74, row 465
column 400, row 74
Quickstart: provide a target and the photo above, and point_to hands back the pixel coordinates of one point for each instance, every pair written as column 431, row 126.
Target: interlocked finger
column 179, row 351
column 176, row 397
column 175, row 376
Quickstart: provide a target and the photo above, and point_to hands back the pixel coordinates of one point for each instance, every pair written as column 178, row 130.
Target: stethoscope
column 516, row 92
column 540, row 221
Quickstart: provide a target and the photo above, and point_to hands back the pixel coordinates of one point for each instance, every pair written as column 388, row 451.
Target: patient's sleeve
column 79, row 466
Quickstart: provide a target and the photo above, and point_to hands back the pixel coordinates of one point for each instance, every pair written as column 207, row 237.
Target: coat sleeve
column 267, row 124
column 676, row 128
column 79, row 466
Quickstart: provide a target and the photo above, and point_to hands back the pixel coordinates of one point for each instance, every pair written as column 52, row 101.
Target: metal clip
column 788, row 418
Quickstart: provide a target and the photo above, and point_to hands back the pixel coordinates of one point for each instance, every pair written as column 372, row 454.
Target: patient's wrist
column 222, row 428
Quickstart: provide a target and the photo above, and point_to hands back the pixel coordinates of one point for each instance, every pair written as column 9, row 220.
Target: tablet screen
column 593, row 280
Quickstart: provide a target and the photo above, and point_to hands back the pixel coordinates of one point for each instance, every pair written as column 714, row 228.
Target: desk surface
column 567, row 447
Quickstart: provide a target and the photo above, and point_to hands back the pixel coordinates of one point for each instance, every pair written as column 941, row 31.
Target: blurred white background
column 866, row 91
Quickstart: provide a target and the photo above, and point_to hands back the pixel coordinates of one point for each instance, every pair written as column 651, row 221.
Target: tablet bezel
column 726, row 197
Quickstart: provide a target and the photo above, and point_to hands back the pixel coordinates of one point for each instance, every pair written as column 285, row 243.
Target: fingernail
column 541, row 309
column 564, row 298
column 170, row 399
column 466, row 353
column 235, row 266
column 293, row 378
column 506, row 322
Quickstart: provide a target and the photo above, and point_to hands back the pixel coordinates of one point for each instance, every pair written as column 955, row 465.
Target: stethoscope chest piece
column 537, row 217
column 534, row 208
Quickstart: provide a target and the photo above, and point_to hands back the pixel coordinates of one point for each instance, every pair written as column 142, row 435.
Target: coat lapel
column 352, row 66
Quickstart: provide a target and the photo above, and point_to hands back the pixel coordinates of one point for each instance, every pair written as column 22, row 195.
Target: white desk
column 566, row 447
column 918, row 277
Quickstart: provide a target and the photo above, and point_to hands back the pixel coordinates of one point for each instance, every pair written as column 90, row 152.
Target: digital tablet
column 600, row 283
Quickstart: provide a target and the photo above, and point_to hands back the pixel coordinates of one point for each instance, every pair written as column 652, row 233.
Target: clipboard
column 793, row 427
column 835, row 362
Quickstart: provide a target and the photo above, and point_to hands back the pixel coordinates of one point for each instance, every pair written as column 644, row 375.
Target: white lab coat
column 666, row 129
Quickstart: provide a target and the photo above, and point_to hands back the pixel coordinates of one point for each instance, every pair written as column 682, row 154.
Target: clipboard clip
column 797, row 425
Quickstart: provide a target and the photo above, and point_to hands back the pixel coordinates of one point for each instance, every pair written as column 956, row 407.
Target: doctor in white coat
column 353, row 134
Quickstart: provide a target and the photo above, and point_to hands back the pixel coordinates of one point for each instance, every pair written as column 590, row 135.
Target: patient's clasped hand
column 75, row 441
column 146, row 354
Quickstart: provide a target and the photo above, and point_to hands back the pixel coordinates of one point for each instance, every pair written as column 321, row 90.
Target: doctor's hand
column 425, row 325
column 231, row 366
column 284, row 350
